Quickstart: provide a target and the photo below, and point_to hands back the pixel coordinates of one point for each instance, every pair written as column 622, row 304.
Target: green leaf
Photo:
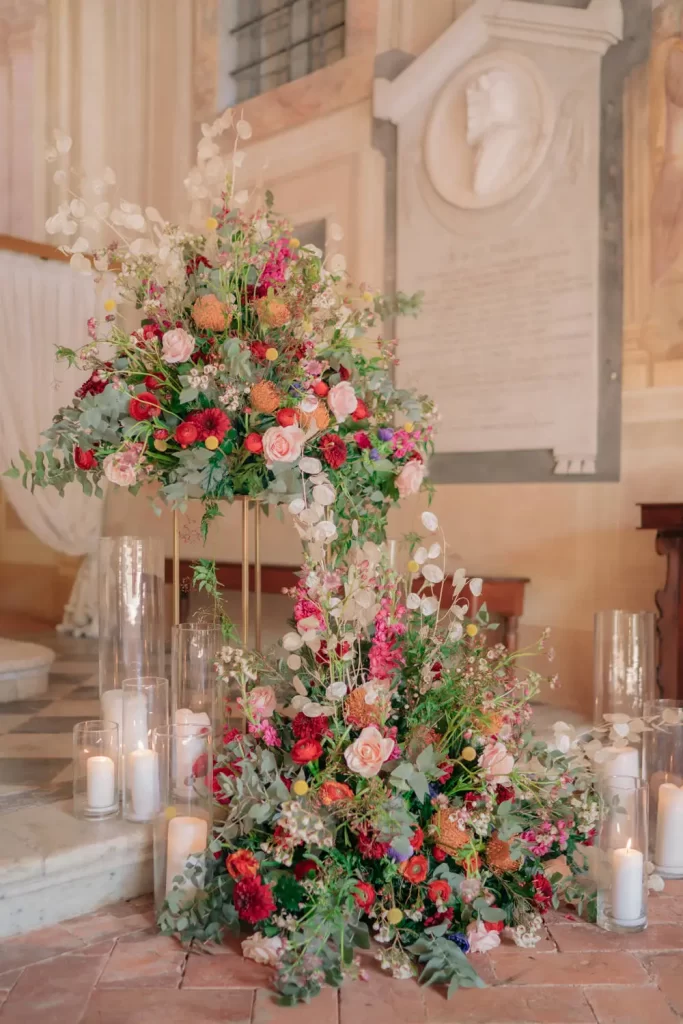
column 188, row 395
column 12, row 472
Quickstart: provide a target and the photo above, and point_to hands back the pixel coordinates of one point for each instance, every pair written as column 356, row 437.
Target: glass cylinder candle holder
column 182, row 826
column 145, row 708
column 663, row 756
column 622, row 854
column 96, row 769
column 623, row 663
column 195, row 649
column 227, row 715
column 131, row 616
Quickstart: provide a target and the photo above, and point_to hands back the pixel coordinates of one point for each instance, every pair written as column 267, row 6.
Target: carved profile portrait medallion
column 489, row 130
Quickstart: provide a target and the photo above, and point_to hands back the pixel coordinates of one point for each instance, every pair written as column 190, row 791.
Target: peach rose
column 366, row 755
column 262, row 701
column 409, row 480
column 342, row 400
column 283, row 444
column 122, row 467
column 496, row 761
column 177, row 346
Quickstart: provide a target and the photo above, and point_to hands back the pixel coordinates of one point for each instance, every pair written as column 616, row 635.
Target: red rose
column 364, row 895
column 303, row 868
column 305, row 728
column 253, row 900
column 254, row 443
column 320, row 388
column 84, row 459
column 333, row 450
column 362, row 439
column 415, row 869
column 186, row 433
column 439, row 889
column 304, row 751
column 153, row 382
column 494, row 926
column 144, row 406
column 361, row 412
column 286, row 417
column 543, row 892
column 439, row 854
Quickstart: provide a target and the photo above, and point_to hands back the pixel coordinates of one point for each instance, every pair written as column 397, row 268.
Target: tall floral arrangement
column 388, row 785
column 249, row 355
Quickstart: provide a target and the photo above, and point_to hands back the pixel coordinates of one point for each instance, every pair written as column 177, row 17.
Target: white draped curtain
column 43, row 304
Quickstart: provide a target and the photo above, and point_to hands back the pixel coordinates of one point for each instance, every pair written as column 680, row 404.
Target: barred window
column 266, row 43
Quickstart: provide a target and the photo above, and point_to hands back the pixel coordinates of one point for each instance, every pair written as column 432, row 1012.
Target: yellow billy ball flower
column 367, row 296
column 413, row 566
column 294, row 243
column 395, row 916
column 471, row 629
column 271, row 354
column 211, row 223
column 300, row 787
column 160, row 444
column 170, row 812
column 409, row 427
column 468, row 754
column 211, row 443
column 109, row 305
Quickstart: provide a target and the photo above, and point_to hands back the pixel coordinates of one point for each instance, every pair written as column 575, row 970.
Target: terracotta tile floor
column 112, row 967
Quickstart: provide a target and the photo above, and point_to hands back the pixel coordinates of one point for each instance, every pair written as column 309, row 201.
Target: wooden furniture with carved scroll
column 667, row 520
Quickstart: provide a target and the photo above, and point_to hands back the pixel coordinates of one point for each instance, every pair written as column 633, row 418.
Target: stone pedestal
column 24, row 670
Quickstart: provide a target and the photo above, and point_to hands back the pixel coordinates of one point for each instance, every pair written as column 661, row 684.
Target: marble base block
column 24, row 670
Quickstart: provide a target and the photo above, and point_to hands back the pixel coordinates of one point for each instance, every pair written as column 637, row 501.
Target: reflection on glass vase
column 145, row 708
column 663, row 754
column 131, row 617
column 622, row 854
column 195, row 649
column 623, row 663
column 182, row 826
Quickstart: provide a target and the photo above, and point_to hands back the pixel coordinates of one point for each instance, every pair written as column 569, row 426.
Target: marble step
column 24, row 669
column 54, row 866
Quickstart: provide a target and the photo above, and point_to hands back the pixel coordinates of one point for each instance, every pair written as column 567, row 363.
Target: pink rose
column 121, row 468
column 479, row 939
column 342, row 400
column 177, row 346
column 409, row 480
column 366, row 755
column 262, row 701
column 283, row 444
column 496, row 761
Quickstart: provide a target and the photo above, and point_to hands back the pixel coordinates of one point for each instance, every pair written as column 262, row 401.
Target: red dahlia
column 305, row 728
column 210, row 423
column 253, row 900
column 333, row 450
column 144, row 406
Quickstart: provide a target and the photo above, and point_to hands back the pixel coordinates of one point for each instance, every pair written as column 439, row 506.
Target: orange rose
column 242, row 864
column 331, row 792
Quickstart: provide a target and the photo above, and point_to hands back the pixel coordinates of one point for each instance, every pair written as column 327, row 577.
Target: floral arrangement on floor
column 398, row 794
column 253, row 354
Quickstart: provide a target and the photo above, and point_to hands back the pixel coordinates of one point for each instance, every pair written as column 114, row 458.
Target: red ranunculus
column 302, row 869
column 364, row 895
column 331, row 792
column 153, row 382
column 417, row 839
column 361, row 412
column 320, row 388
column 304, row 751
column 253, row 900
column 254, row 443
column 242, row 864
column 333, row 450
column 439, row 889
column 144, row 406
column 186, row 433
column 286, row 417
column 543, row 892
column 415, row 869
column 211, row 422
column 305, row 728
column 494, row 926
column 84, row 459
column 362, row 440
column 439, row 854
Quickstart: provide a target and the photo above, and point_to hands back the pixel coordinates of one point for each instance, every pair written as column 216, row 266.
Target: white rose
column 177, row 346
column 409, row 480
column 342, row 400
column 263, row 950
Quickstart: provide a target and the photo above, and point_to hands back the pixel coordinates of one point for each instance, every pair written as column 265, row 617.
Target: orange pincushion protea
column 320, row 416
column 489, row 724
column 357, row 712
column 272, row 313
column 450, row 836
column 209, row 313
column 264, row 396
column 498, row 856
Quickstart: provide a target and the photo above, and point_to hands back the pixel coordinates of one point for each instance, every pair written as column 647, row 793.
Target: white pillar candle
column 135, row 721
column 111, row 703
column 100, row 783
column 189, row 746
column 186, row 837
column 669, row 835
column 627, row 885
column 142, row 783
column 621, row 761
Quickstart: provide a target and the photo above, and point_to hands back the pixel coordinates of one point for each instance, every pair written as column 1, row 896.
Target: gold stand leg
column 245, row 572
column 257, row 572
column 176, row 569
